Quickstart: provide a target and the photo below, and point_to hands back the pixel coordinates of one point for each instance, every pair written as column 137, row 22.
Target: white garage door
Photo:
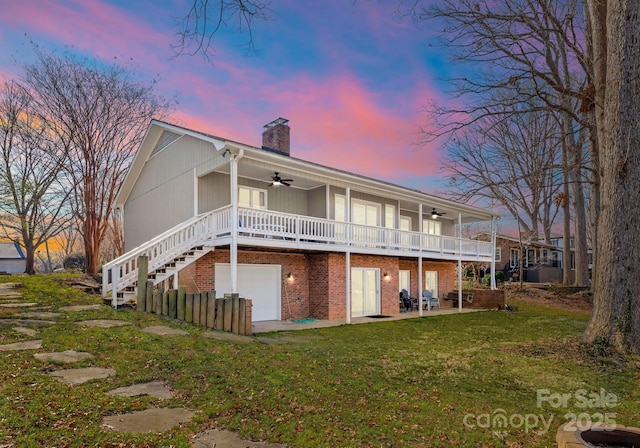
column 258, row 282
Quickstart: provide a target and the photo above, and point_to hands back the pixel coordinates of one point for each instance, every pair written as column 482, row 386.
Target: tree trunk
column 616, row 314
column 566, row 219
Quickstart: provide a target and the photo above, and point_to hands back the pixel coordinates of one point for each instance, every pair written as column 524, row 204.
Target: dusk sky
column 352, row 77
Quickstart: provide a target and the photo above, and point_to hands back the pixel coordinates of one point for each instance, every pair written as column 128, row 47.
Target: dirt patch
column 576, row 301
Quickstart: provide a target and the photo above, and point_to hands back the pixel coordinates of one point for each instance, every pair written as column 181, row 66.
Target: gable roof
column 11, row 251
column 153, row 137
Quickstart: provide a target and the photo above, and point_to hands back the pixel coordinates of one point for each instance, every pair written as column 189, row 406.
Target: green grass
column 400, row 383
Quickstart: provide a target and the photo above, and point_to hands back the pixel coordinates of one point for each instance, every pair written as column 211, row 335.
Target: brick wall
column 318, row 287
column 294, row 291
column 447, row 272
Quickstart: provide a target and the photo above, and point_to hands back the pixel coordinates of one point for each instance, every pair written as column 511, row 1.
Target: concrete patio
column 290, row 325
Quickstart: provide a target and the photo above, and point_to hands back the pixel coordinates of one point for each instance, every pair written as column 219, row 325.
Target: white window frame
column 514, row 258
column 498, row 254
column 367, row 204
column 431, row 227
column 253, row 190
column 404, row 280
column 390, row 216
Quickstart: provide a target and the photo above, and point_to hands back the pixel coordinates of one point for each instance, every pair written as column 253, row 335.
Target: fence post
column 211, row 309
column 188, row 308
column 219, row 314
column 182, row 301
column 173, row 303
column 165, row 303
column 248, row 329
column 143, row 266
column 242, row 315
column 148, row 307
column 196, row 309
column 235, row 316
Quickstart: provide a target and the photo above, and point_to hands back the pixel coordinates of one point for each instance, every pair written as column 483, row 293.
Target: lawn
column 486, row 379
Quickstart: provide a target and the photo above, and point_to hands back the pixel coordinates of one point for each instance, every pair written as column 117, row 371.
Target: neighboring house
column 12, row 258
column 298, row 238
column 541, row 263
column 557, row 241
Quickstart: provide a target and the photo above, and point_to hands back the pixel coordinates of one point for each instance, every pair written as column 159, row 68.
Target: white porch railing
column 255, row 223
column 215, row 227
column 123, row 271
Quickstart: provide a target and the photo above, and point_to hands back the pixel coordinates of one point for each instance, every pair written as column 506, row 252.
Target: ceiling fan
column 435, row 214
column 277, row 181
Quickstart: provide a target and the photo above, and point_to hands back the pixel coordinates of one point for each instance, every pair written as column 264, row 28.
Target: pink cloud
column 335, row 121
column 86, row 24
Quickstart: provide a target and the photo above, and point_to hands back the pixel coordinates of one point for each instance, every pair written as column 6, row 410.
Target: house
column 12, row 258
column 541, row 263
column 298, row 238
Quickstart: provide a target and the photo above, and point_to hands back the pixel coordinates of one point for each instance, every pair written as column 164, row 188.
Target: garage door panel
column 258, row 282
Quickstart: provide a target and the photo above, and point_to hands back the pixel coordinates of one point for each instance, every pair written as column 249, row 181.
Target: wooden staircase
column 166, row 254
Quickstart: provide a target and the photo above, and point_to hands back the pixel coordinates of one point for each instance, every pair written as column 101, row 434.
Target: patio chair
column 409, row 303
column 428, row 301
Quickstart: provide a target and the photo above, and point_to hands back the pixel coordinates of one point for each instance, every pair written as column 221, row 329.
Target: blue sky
column 352, row 77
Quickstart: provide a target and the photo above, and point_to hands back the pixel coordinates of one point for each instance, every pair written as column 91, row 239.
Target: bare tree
column 510, row 158
column 535, row 48
column 101, row 113
column 615, row 27
column 33, row 191
column 206, row 18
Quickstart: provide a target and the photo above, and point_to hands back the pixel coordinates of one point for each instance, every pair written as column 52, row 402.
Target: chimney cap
column 276, row 122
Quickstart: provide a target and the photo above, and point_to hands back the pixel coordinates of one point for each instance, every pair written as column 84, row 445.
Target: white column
column 348, row 287
column 195, row 193
column 459, row 261
column 420, row 285
column 328, row 201
column 233, row 249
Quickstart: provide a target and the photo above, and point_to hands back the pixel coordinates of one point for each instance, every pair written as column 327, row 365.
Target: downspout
column 234, row 220
column 459, row 262
column 493, row 256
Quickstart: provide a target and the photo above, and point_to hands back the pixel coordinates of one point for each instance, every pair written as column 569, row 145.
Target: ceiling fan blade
column 285, row 183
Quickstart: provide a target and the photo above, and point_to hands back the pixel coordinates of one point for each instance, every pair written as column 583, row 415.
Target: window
column 405, row 223
column 514, row 258
column 389, row 216
column 366, row 213
column 531, row 257
column 252, row 198
column 431, row 282
column 431, row 227
column 498, row 254
column 341, row 208
column 404, row 280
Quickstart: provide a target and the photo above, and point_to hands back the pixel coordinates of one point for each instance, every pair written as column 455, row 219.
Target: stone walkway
column 27, row 323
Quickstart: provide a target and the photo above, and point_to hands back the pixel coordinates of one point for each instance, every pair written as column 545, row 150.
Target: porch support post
column 420, row 285
column 328, row 202
column 234, row 221
column 459, row 262
column 348, row 287
column 195, row 192
column 493, row 253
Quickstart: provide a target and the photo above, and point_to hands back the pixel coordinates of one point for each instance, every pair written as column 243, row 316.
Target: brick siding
column 318, row 287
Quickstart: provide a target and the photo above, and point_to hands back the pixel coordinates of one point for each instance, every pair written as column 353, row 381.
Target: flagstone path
column 157, row 389
column 67, row 357
column 103, row 323
column 216, row 438
column 149, row 420
column 24, row 330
